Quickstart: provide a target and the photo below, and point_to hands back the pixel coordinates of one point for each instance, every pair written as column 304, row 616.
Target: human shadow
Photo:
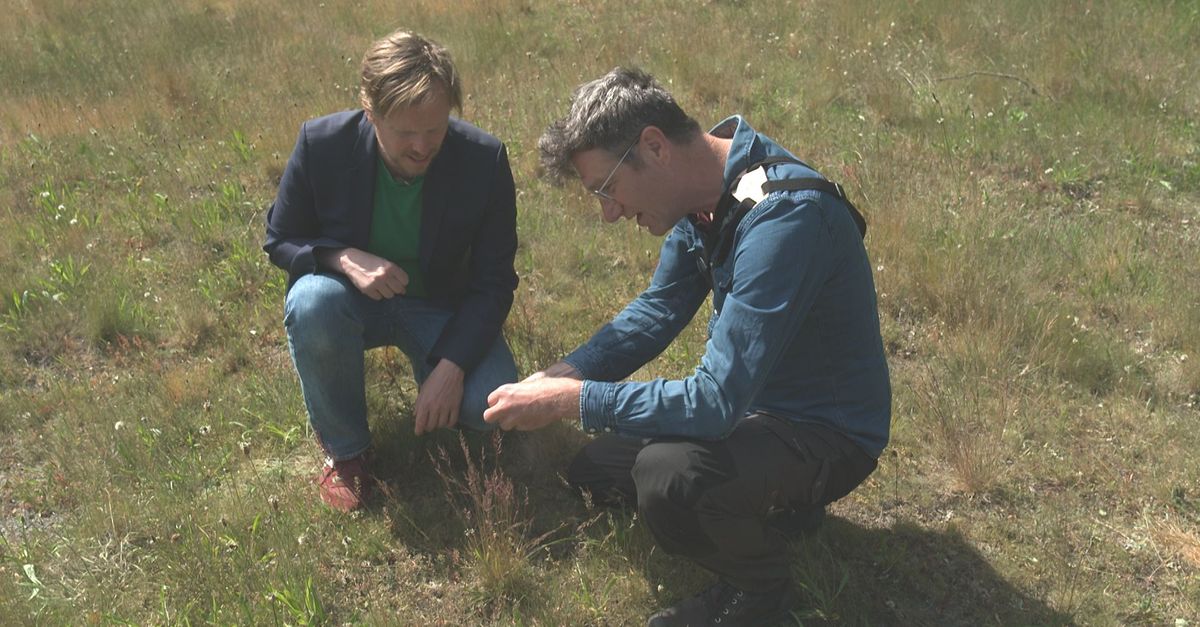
column 907, row 575
column 847, row 574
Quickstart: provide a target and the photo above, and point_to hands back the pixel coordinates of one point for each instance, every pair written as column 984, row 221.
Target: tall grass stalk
column 496, row 520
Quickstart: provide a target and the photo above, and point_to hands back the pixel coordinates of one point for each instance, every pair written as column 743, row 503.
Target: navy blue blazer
column 468, row 221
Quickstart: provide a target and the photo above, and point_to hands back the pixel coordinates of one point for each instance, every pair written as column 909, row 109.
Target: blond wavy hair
column 405, row 69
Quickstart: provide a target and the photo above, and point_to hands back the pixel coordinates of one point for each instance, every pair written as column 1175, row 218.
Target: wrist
column 449, row 367
column 331, row 258
column 568, row 402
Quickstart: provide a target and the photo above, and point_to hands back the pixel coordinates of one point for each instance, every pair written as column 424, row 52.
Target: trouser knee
column 318, row 313
column 668, row 491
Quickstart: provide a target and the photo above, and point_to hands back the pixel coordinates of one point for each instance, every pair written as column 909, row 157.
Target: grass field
column 1030, row 172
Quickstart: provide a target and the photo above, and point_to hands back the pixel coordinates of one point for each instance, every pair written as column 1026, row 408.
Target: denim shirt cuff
column 595, row 407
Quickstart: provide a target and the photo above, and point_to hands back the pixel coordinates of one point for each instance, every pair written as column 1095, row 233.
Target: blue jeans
column 330, row 324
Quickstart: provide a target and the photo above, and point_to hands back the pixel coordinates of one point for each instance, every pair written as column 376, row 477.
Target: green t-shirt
column 396, row 226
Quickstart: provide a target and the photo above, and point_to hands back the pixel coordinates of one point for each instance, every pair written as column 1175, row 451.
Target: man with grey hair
column 790, row 406
column 396, row 224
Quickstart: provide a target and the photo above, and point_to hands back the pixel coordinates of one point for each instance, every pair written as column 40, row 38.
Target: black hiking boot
column 722, row 605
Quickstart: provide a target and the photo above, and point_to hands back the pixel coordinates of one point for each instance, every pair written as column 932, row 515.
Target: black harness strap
column 818, row 184
column 728, row 220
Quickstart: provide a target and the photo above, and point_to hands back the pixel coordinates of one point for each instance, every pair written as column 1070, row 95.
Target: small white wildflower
column 118, row 425
column 205, row 429
column 45, row 194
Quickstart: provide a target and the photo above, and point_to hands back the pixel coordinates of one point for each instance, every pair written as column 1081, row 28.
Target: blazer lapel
column 360, row 191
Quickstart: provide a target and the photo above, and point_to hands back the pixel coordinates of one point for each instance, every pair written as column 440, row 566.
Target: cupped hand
column 440, row 397
column 533, row 403
column 373, row 275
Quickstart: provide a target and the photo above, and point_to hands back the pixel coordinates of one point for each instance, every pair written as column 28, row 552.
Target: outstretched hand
column 533, row 403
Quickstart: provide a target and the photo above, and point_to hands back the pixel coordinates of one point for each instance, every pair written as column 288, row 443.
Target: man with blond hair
column 789, row 407
column 396, row 224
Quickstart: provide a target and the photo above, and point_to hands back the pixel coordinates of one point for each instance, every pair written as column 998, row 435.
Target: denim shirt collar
column 745, row 150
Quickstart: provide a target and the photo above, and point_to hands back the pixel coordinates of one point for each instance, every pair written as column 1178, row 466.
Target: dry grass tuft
column 1183, row 541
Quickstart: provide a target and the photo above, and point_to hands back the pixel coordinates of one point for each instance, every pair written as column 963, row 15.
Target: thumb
column 494, row 397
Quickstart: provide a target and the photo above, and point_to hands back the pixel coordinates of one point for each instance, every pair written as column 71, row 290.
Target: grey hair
column 609, row 113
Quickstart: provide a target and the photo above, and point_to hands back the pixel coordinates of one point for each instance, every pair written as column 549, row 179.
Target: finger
column 452, row 418
column 395, row 275
column 497, row 394
column 437, row 419
column 421, row 417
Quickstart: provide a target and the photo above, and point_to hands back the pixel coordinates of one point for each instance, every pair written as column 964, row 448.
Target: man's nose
column 424, row 145
column 611, row 210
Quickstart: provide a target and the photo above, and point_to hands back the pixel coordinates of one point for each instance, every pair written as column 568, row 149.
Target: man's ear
column 658, row 147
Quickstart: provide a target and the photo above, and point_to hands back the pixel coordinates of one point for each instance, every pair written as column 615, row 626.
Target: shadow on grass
column 906, row 575
column 846, row 574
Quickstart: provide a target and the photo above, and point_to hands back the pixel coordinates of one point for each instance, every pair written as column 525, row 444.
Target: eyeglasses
column 599, row 191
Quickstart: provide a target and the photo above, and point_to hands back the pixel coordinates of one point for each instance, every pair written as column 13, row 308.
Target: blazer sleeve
column 479, row 319
column 293, row 230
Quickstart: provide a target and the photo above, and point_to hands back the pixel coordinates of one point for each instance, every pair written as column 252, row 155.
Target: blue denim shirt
column 794, row 330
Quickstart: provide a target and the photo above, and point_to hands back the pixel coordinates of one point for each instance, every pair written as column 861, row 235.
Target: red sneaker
column 345, row 484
